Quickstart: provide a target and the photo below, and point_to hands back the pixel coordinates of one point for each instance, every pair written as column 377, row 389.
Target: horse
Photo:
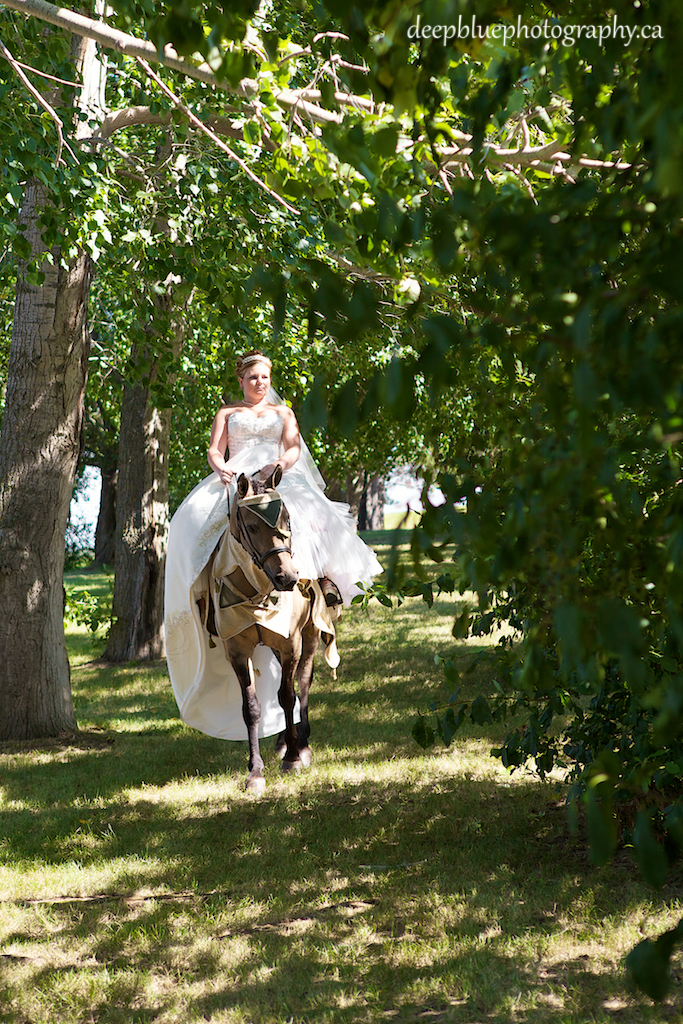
column 257, row 597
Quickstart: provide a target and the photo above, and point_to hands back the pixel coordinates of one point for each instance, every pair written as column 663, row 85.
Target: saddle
column 238, row 594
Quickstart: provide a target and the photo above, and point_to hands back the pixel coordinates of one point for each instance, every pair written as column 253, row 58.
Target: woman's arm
column 218, row 445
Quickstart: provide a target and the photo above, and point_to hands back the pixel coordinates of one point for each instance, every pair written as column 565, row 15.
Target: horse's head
column 260, row 522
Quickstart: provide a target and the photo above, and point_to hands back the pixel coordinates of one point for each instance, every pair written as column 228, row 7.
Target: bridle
column 257, row 557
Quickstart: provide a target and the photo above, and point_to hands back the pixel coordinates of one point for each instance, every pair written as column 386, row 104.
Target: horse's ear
column 275, row 477
column 243, row 485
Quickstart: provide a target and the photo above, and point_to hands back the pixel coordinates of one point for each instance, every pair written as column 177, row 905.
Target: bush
column 78, row 552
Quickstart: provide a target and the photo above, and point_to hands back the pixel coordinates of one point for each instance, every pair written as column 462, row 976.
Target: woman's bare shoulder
column 226, row 411
column 285, row 412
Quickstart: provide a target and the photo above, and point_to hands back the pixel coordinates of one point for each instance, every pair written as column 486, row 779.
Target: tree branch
column 111, row 38
column 43, row 74
column 128, row 117
column 302, row 101
column 131, row 117
column 219, row 142
column 114, row 39
column 43, row 103
column 527, row 156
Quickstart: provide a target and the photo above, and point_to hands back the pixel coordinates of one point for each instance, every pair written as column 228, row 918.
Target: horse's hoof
column 255, row 785
column 292, row 766
column 306, row 755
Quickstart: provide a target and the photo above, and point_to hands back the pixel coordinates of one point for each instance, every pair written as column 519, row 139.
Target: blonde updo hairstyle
column 242, row 365
column 248, row 359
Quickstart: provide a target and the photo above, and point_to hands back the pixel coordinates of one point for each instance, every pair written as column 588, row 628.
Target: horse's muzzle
column 285, row 580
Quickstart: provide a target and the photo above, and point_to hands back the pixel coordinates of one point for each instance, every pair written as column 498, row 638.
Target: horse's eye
column 252, row 529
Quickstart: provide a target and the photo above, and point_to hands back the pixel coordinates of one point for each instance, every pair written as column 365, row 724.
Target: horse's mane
column 258, row 485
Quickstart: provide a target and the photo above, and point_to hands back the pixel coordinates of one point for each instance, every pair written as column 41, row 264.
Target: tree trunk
column 355, row 483
column 137, row 632
column 371, row 511
column 39, row 450
column 141, row 525
column 105, row 531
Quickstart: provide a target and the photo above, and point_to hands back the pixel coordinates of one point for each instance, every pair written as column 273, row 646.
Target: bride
column 254, row 435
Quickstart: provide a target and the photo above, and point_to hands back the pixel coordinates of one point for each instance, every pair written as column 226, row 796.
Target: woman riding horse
column 254, row 436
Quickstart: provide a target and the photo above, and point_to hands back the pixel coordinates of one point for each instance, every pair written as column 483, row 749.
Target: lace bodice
column 246, row 430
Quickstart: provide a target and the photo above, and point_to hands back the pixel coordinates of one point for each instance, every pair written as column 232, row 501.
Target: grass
column 139, row 883
column 407, row 519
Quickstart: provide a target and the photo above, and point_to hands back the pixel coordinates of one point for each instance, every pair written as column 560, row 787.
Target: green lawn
column 403, row 519
column 139, row 883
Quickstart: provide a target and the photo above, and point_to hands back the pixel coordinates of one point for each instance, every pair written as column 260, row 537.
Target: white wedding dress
column 324, row 543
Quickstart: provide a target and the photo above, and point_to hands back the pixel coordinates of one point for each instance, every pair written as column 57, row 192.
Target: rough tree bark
column 39, row 448
column 365, row 496
column 371, row 510
column 353, row 490
column 101, row 447
column 141, row 521
column 142, row 516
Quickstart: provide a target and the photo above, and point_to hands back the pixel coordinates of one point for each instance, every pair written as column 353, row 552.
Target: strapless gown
column 324, row 543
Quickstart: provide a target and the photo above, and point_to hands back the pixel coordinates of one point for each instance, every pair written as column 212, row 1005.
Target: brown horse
column 257, row 597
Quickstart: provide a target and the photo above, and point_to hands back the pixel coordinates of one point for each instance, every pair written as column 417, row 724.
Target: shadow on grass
column 368, row 714
column 337, row 898
column 411, row 865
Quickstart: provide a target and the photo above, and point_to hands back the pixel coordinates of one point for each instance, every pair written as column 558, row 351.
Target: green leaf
column 252, row 132
column 448, row 726
column 602, row 827
column 650, row 969
column 649, row 963
column 384, row 142
column 674, row 824
column 461, row 625
column 446, row 583
column 480, row 711
column 444, row 242
column 650, row 856
column 423, row 734
column 451, row 671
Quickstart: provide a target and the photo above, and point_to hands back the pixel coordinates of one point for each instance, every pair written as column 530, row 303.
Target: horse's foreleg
column 304, row 675
column 251, row 712
column 287, row 696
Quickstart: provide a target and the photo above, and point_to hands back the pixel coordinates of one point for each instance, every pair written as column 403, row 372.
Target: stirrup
column 330, row 591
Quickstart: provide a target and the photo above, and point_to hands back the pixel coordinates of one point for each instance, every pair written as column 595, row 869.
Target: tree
column 130, row 502
column 101, row 432
column 565, row 369
column 407, row 207
column 371, row 513
column 35, row 691
column 142, row 510
column 40, row 443
column 563, row 335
